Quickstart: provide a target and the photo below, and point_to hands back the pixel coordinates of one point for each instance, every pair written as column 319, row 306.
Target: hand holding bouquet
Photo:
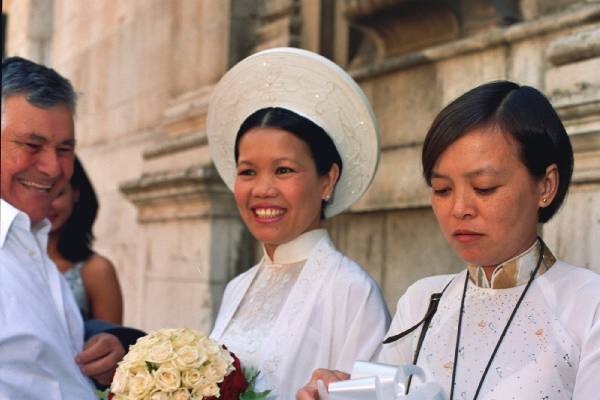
column 181, row 364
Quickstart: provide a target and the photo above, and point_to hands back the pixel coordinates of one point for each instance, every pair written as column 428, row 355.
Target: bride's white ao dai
column 309, row 307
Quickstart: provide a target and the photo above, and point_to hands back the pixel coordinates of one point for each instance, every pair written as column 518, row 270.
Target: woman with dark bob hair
column 91, row 276
column 295, row 139
column 517, row 323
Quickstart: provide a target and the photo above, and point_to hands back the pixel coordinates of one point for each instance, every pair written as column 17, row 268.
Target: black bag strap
column 434, row 301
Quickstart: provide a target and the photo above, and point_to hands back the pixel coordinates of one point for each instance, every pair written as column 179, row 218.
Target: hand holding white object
column 376, row 381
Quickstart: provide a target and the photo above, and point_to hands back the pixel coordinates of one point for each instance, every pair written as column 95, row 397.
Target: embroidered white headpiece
column 309, row 85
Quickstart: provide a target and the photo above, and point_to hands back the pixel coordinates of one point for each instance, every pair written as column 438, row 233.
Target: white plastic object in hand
column 376, row 381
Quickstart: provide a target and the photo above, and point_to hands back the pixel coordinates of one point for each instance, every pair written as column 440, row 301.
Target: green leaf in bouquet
column 251, row 394
column 151, row 366
column 102, row 394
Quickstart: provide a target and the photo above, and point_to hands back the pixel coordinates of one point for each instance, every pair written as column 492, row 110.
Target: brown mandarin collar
column 516, row 271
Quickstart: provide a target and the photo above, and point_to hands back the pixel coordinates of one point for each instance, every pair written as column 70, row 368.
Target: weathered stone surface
column 415, row 248
column 361, row 236
column 491, row 38
column 402, row 26
column 176, row 303
column 403, row 109
column 574, row 233
column 579, row 46
column 465, row 71
column 398, row 182
column 524, row 60
column 30, row 29
column 395, row 247
column 573, row 78
column 531, row 9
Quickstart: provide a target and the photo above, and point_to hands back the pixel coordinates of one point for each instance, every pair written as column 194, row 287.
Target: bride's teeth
column 268, row 212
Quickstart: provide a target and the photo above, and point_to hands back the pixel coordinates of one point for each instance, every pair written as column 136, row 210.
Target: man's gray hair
column 42, row 86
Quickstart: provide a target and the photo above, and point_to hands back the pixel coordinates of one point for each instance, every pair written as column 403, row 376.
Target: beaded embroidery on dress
column 255, row 317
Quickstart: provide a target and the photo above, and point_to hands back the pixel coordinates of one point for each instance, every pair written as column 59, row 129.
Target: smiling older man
column 42, row 332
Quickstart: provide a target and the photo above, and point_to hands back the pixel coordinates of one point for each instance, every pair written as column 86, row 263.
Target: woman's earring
column 544, row 200
column 326, row 198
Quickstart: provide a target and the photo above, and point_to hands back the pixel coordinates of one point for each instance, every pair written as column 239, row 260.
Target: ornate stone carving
column 194, row 192
column 384, row 28
column 576, row 97
column 187, row 113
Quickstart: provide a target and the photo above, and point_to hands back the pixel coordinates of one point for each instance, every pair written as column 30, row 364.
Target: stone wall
column 556, row 52
column 146, row 70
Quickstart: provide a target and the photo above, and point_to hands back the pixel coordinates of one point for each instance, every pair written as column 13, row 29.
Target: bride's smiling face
column 277, row 189
column 485, row 199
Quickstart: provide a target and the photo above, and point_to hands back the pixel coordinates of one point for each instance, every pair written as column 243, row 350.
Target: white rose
column 207, row 390
column 158, row 395
column 148, row 340
column 141, row 384
column 160, row 352
column 186, row 337
column 192, row 377
column 120, row 380
column 189, row 357
column 220, row 367
column 209, row 373
column 167, row 378
column 181, row 394
column 210, row 346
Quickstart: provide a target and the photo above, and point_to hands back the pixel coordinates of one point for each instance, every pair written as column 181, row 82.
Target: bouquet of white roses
column 180, row 364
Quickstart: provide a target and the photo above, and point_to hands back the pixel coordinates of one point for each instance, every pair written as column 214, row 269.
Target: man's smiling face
column 37, row 154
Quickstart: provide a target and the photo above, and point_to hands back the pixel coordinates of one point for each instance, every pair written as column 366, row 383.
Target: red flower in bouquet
column 234, row 384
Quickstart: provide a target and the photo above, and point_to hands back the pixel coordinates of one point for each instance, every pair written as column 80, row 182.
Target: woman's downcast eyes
column 441, row 192
column 484, row 191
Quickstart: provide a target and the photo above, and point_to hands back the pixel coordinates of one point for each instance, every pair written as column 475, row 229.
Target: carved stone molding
column 187, row 112
column 579, row 46
column 385, row 28
column 356, row 9
column 576, row 96
column 176, row 144
column 568, row 18
column 279, row 24
column 194, row 192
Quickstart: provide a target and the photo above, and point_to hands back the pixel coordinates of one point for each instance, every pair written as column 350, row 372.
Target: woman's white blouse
column 310, row 307
column 551, row 350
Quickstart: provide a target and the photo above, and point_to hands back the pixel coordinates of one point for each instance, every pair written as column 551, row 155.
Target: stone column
column 575, row 92
column 192, row 243
column 192, row 240
column 30, row 29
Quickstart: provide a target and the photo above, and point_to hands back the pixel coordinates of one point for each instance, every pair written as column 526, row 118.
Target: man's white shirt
column 41, row 329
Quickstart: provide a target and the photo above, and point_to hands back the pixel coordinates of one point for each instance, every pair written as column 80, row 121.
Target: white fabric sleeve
column 586, row 381
column 365, row 320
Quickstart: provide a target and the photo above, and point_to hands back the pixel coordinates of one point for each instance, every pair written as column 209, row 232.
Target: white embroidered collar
column 295, row 250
